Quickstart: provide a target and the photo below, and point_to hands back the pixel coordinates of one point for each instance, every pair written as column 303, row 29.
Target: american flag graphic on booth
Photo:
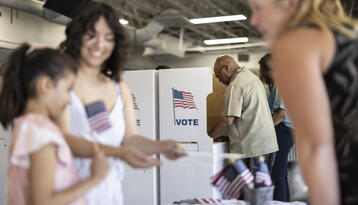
column 232, row 179
column 98, row 117
column 183, row 99
column 134, row 102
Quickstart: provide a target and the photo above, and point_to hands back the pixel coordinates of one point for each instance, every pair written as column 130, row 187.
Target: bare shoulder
column 124, row 86
column 306, row 43
column 304, row 38
column 125, row 89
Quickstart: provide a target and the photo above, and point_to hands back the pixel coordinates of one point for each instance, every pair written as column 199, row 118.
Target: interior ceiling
column 141, row 12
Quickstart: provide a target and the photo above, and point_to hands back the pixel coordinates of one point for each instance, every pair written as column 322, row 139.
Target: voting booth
column 182, row 117
column 143, row 182
column 4, row 149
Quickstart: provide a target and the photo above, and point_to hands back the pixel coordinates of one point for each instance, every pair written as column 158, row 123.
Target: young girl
column 35, row 92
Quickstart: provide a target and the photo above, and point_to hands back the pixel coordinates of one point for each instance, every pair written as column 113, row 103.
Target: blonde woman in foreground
column 315, row 58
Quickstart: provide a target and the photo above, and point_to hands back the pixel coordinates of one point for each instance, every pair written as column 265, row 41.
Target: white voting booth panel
column 4, row 149
column 4, row 145
column 182, row 116
column 141, row 186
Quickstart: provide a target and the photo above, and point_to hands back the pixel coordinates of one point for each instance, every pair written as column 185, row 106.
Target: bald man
column 246, row 114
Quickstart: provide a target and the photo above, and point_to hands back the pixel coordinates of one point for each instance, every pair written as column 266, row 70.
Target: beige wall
column 28, row 28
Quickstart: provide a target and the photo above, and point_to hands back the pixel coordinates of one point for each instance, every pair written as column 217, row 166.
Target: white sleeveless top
column 109, row 191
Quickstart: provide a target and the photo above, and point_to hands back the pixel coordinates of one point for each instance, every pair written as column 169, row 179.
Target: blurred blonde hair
column 326, row 14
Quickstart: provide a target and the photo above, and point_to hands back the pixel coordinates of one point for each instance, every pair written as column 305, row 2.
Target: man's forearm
column 218, row 129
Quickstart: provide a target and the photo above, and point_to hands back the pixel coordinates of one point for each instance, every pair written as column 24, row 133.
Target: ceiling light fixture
column 226, row 41
column 123, row 21
column 218, row 19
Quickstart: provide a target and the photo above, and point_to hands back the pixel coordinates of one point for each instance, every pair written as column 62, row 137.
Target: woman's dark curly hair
column 83, row 21
column 265, row 69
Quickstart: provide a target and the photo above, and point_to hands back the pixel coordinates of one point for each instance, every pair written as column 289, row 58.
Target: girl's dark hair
column 23, row 68
column 84, row 21
column 264, row 69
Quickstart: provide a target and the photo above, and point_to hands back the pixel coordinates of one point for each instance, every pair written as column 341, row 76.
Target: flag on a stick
column 232, row 179
column 262, row 176
column 199, row 201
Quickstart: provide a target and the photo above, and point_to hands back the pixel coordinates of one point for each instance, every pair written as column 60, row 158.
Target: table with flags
column 235, row 180
column 198, row 201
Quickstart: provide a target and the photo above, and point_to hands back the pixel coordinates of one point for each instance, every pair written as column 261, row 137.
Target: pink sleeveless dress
column 30, row 133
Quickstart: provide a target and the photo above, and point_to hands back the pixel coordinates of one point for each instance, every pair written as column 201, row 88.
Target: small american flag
column 199, row 201
column 183, row 99
column 134, row 102
column 262, row 176
column 98, row 117
column 232, row 179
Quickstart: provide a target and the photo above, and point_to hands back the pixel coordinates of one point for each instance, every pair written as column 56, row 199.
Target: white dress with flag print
column 109, row 191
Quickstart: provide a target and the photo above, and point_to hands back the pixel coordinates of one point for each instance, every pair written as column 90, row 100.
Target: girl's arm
column 82, row 148
column 170, row 148
column 42, row 175
column 299, row 59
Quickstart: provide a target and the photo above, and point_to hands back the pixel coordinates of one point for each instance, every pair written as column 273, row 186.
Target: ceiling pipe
column 215, row 48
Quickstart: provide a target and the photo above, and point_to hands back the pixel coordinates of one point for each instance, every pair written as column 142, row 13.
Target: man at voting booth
column 245, row 114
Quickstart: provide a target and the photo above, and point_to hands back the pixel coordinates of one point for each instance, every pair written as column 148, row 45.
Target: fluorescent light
column 226, row 41
column 218, row 19
column 123, row 21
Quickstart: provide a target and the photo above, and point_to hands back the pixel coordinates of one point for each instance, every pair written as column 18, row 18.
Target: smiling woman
column 97, row 45
column 98, row 42
column 87, row 39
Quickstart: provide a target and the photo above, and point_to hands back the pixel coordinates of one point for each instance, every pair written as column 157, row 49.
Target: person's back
column 253, row 127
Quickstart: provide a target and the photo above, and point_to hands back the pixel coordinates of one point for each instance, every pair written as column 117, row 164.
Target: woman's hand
column 136, row 158
column 99, row 166
column 171, row 149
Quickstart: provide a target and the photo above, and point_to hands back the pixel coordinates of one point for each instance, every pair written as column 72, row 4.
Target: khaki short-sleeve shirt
column 252, row 132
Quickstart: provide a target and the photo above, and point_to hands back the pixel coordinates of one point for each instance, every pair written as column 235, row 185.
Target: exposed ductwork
column 165, row 44
column 138, row 36
column 168, row 18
